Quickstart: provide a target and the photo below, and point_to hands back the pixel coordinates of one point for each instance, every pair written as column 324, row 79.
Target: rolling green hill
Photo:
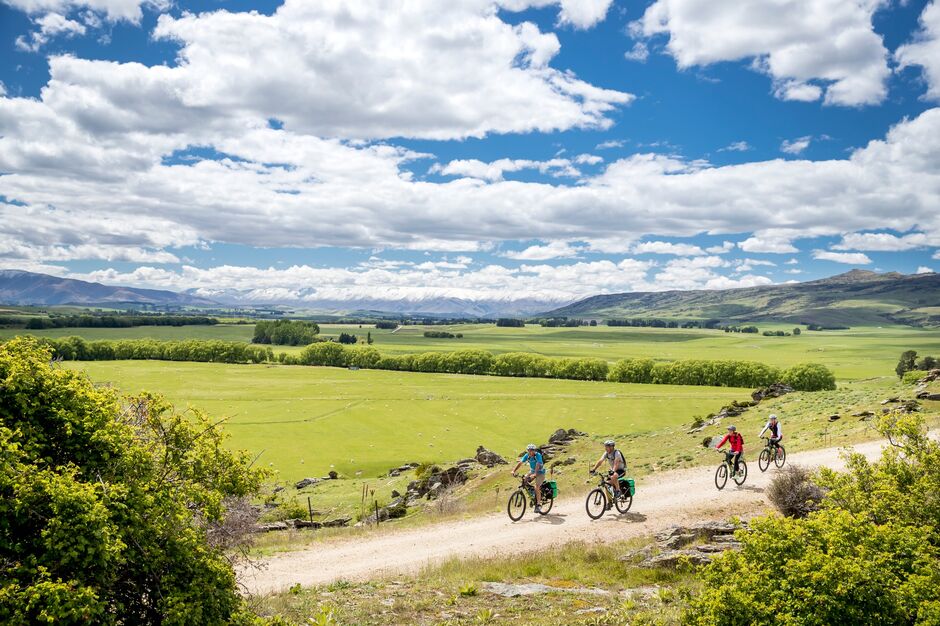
column 858, row 297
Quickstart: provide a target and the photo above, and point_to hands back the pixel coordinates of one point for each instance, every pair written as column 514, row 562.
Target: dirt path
column 661, row 501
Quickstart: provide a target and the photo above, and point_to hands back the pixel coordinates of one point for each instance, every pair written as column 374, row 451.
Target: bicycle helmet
column 609, row 442
column 732, row 427
column 773, row 416
column 531, row 446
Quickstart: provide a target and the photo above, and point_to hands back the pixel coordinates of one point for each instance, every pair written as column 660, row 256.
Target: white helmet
column 773, row 416
column 531, row 446
column 609, row 442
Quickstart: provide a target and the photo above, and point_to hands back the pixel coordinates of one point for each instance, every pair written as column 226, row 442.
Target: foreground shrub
column 108, row 510
column 834, row 567
column 793, row 492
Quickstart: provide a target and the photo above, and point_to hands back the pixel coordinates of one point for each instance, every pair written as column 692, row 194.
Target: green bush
column 110, row 511
column 831, row 568
column 912, row 377
column 810, row 377
column 286, row 332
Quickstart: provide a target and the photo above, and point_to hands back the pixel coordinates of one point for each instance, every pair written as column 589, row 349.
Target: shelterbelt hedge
column 725, row 373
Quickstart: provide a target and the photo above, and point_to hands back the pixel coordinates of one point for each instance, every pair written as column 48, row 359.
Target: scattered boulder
column 306, row 482
column 569, row 461
column 266, row 528
column 926, row 395
column 834, row 417
column 890, row 400
column 332, row 475
column 773, row 391
column 337, row 523
column 675, row 545
column 864, row 414
column 508, row 590
column 489, row 458
column 431, row 486
column 560, row 436
column 930, row 377
column 672, row 559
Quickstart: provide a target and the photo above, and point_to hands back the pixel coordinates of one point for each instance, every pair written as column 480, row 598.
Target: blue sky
column 538, row 150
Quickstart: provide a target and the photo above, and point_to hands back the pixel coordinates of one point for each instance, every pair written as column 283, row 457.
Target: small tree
column 346, row 338
column 797, row 331
column 906, row 362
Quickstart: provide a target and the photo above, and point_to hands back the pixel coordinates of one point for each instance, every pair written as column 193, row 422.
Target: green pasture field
column 305, row 421
column 858, row 353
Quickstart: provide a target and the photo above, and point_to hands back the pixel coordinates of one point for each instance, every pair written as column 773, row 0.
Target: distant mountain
column 18, row 287
column 858, row 297
column 308, row 300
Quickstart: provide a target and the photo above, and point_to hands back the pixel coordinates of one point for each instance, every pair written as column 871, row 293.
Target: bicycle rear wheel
column 721, row 476
column 742, row 470
column 547, row 502
column 781, row 457
column 624, row 502
column 596, row 503
column 516, row 506
column 763, row 462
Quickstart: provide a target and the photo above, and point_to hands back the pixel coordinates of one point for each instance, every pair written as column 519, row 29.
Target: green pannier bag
column 554, row 487
column 629, row 482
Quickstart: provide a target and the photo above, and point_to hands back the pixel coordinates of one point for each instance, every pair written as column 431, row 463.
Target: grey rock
column 508, row 590
column 489, row 458
column 672, row 558
column 559, row 436
column 337, row 523
column 266, row 528
column 306, row 482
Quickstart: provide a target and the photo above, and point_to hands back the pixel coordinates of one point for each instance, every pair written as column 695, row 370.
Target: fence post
column 309, row 509
column 376, row 513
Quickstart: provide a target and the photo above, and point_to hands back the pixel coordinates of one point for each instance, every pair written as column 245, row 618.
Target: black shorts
column 619, row 472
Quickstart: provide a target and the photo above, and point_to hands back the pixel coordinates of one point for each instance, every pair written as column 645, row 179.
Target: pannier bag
column 628, row 482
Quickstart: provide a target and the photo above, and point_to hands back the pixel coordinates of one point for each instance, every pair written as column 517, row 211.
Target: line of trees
column 198, row 350
column 508, row 322
column 804, row 377
column 285, row 332
column 740, row 329
column 442, row 334
column 115, row 321
column 654, row 322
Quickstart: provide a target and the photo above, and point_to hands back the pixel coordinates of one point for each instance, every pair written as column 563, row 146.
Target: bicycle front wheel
column 721, row 476
column 596, row 503
column 516, row 506
column 741, row 476
column 781, row 457
column 764, row 461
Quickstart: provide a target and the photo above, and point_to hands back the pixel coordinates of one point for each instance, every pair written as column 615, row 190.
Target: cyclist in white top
column 776, row 430
column 617, row 462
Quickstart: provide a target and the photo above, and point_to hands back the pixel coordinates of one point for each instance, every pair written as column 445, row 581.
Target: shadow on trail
column 632, row 517
column 553, row 519
column 750, row 488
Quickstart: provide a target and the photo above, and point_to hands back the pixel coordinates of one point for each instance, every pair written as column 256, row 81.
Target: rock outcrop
column 773, row 391
column 696, row 544
column 488, row 458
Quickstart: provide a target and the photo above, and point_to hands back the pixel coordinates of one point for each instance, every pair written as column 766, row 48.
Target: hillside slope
column 854, row 298
column 21, row 288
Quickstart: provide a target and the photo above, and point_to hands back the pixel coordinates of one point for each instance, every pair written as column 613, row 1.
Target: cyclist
column 533, row 457
column 776, row 431
column 736, row 442
column 618, row 466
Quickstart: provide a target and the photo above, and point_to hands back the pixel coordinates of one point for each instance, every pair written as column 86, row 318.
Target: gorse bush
column 108, row 508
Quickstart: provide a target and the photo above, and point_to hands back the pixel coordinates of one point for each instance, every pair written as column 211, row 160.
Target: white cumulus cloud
column 810, row 48
column 849, row 258
column 925, row 49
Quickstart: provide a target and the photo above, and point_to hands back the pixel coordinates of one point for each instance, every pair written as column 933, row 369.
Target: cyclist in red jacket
column 736, row 442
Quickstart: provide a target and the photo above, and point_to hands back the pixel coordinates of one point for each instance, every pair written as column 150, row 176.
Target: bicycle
column 727, row 469
column 518, row 500
column 779, row 455
column 600, row 498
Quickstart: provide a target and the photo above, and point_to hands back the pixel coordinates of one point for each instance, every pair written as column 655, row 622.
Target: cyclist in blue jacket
column 533, row 457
